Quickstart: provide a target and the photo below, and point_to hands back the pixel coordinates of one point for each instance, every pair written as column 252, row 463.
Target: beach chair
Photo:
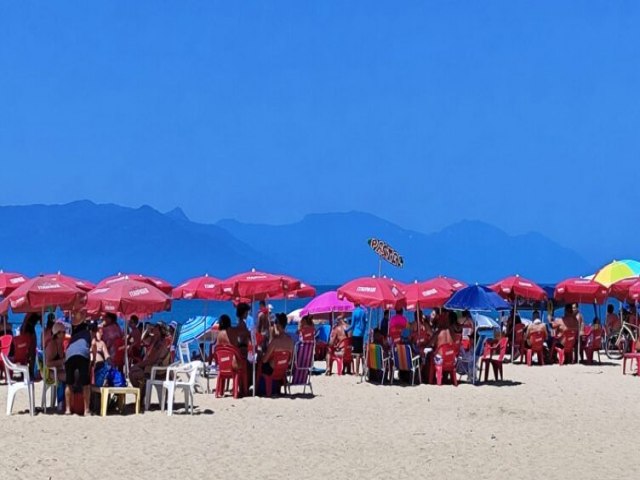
column 593, row 344
column 22, row 345
column 184, row 355
column 175, row 380
column 446, row 364
column 490, row 349
column 405, row 361
column 5, row 348
column 630, row 356
column 519, row 347
column 158, row 375
column 341, row 355
column 13, row 370
column 302, row 365
column 536, row 340
column 568, row 346
column 224, row 355
column 49, row 384
column 377, row 361
column 282, row 362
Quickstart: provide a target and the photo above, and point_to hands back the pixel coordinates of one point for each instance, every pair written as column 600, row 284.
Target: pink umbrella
column 128, row 297
column 159, row 283
column 327, row 303
column 199, row 288
column 42, row 292
column 9, row 282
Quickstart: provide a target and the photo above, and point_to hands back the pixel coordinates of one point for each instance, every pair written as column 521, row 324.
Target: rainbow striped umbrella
column 616, row 271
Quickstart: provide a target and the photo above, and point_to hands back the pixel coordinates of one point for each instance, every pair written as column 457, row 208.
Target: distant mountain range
column 92, row 241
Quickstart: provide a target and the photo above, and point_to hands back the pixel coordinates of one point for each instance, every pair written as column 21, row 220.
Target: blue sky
column 521, row 114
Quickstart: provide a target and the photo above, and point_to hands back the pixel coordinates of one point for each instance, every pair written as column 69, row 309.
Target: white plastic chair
column 10, row 370
column 184, row 355
column 191, row 371
column 156, row 381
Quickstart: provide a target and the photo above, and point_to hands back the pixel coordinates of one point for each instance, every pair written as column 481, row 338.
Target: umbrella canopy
column 258, row 285
column 483, row 321
column 455, row 284
column 42, row 292
column 10, row 281
column 517, row 286
column 476, row 298
column 580, row 290
column 620, row 289
column 374, row 292
column 616, row 271
column 431, row 293
column 199, row 288
column 328, row 302
column 128, row 297
column 159, row 283
column 634, row 292
column 294, row 317
column 84, row 285
column 195, row 328
column 305, row 291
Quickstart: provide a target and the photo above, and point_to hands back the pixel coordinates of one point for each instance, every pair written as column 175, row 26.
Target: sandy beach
column 551, row 422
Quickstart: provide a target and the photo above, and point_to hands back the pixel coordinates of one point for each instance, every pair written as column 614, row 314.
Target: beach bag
column 115, row 378
column 101, row 376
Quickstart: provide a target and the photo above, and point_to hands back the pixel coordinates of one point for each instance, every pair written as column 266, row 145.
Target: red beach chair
column 447, row 352
column 490, row 349
column 537, row 346
column 224, row 355
column 569, row 344
column 5, row 348
column 21, row 349
column 342, row 355
column 631, row 356
column 282, row 362
column 592, row 345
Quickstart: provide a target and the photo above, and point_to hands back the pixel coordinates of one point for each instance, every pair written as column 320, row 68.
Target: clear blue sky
column 522, row 114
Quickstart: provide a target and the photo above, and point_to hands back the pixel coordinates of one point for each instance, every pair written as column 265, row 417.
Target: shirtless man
column 281, row 342
column 157, row 354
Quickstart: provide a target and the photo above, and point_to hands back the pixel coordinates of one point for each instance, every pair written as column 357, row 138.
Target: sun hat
column 58, row 327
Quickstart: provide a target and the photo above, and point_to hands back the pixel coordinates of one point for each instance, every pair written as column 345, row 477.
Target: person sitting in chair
column 281, row 342
column 157, row 355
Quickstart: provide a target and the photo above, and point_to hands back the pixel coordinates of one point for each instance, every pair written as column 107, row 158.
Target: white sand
column 555, row 422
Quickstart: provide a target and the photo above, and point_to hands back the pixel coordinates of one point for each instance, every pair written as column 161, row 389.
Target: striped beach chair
column 405, row 361
column 302, row 365
column 377, row 362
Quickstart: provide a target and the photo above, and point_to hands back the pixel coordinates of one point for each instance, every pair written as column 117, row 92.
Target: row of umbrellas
column 136, row 293
column 142, row 294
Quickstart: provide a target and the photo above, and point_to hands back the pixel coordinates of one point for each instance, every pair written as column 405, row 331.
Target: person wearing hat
column 54, row 357
column 78, row 361
column 157, row 355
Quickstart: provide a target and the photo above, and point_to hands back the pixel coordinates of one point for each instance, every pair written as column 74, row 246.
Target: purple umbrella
column 327, row 303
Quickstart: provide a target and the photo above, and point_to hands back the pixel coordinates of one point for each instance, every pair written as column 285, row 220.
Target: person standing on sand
column 338, row 334
column 77, row 362
column 357, row 329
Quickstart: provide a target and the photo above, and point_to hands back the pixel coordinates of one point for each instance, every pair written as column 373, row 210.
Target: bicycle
column 621, row 341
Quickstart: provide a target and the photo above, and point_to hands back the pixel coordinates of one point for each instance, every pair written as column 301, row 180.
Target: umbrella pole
column 255, row 347
column 204, row 330
column 513, row 329
column 126, row 350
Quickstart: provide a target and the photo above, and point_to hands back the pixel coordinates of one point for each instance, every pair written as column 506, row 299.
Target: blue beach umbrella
column 476, row 298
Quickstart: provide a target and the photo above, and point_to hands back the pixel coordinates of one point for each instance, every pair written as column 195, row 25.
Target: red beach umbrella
column 10, row 281
column 128, row 297
column 580, row 290
column 517, row 286
column 159, row 283
column 455, row 284
column 430, row 294
column 258, row 285
column 634, row 292
column 620, row 289
column 42, row 292
column 305, row 291
column 374, row 292
column 199, row 288
column 84, row 285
